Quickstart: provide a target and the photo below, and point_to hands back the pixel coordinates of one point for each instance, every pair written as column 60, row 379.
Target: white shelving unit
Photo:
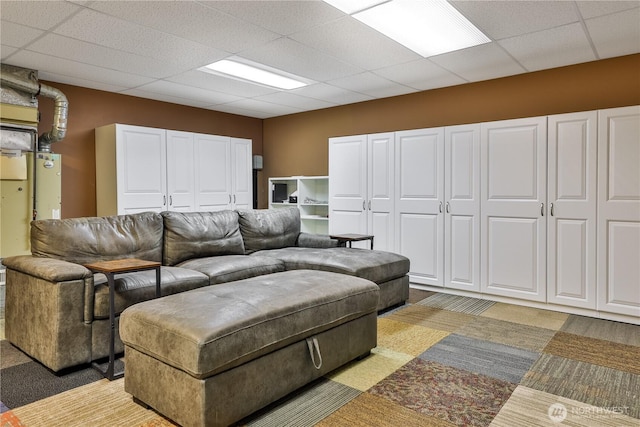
column 313, row 200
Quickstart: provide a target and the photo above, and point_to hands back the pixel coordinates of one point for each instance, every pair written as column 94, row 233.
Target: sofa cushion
column 210, row 330
column 190, row 235
column 83, row 240
column 227, row 268
column 377, row 266
column 269, row 228
column 132, row 288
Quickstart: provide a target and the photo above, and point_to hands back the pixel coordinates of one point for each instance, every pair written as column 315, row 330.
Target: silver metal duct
column 61, row 108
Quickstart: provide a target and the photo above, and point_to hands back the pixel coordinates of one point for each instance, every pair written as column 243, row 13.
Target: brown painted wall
column 297, row 144
column 89, row 109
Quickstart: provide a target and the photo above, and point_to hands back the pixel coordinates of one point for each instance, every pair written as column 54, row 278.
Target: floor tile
column 599, row 352
column 367, row 410
column 595, row 385
column 364, row 374
column 406, row 338
column 526, row 315
column 11, row 356
column 305, row 408
column 507, row 333
column 529, row 407
column 417, row 295
column 450, row 394
column 482, row 357
column 458, row 303
column 433, row 318
column 623, row 333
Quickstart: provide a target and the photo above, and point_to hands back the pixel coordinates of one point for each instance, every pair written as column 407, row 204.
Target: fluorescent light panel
column 255, row 73
column 428, row 27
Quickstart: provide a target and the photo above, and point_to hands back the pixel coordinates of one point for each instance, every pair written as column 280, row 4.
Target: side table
column 110, row 269
column 347, row 239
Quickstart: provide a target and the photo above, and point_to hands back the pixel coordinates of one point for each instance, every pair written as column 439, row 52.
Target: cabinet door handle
column 440, row 207
column 164, row 200
column 229, row 198
column 369, row 204
column 447, row 208
column 364, row 205
column 541, row 209
column 551, row 209
column 234, row 199
column 171, row 200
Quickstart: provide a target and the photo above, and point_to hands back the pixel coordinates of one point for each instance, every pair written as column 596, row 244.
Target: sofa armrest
column 308, row 240
column 49, row 269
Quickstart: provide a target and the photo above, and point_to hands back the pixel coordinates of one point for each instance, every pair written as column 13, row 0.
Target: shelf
column 314, row 216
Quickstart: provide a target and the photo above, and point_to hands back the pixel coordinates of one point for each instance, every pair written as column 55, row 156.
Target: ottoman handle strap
column 313, row 344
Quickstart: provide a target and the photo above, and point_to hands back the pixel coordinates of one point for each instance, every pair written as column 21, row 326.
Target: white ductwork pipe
column 61, row 108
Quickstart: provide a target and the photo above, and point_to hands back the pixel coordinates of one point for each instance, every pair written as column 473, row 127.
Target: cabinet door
column 141, row 169
column 513, row 191
column 619, row 210
column 180, row 171
column 212, row 172
column 462, row 207
column 380, row 189
column 348, row 184
column 571, row 193
column 241, row 173
column 419, row 203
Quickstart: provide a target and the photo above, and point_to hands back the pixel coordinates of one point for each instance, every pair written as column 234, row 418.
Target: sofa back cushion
column 189, row 235
column 269, row 228
column 84, row 240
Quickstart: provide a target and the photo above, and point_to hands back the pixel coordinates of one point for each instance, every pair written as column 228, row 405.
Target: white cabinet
column 223, row 171
column 571, row 223
column 147, row 169
column 618, row 255
column 462, row 207
column 438, row 204
column 361, row 187
column 419, row 215
column 312, row 200
column 513, row 191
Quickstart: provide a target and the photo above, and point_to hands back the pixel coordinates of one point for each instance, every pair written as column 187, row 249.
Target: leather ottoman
column 212, row 356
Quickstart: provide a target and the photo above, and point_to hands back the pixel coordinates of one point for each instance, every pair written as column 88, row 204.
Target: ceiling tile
column 296, row 101
column 503, row 19
column 551, row 48
column 592, row 9
column 104, row 30
column 17, row 35
column 37, row 14
column 371, row 84
column 288, row 55
column 355, row 43
column 164, row 97
column 331, row 93
column 282, row 17
column 617, row 34
column 64, row 67
column 100, row 56
column 77, row 81
column 6, row 52
column 190, row 20
column 487, row 61
column 204, row 97
column 217, row 83
column 422, row 74
column 262, row 107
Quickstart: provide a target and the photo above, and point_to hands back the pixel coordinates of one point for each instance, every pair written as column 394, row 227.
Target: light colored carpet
column 526, row 316
column 507, row 333
column 457, row 303
column 623, row 333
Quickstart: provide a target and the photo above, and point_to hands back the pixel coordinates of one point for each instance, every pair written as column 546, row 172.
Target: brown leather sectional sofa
column 57, row 311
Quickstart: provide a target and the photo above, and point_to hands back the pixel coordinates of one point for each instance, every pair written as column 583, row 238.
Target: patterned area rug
column 441, row 360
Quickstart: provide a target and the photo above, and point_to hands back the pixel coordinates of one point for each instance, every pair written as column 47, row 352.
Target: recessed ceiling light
column 428, row 27
column 257, row 73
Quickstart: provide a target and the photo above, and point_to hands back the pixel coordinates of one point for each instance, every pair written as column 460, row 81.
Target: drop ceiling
column 152, row 49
